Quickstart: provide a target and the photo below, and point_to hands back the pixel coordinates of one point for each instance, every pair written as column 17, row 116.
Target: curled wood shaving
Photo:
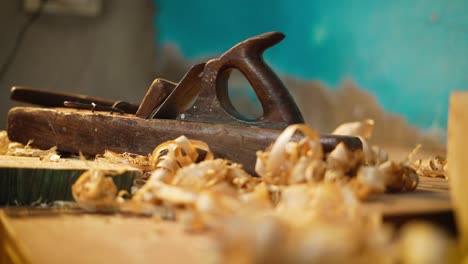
column 181, row 150
column 308, row 170
column 373, row 155
column 369, row 180
column 434, row 167
column 398, row 177
column 276, row 164
column 376, row 173
column 386, row 177
column 167, row 159
column 341, row 158
column 95, row 191
column 362, row 129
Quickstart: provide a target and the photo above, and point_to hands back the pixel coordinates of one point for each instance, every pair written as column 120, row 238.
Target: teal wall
column 409, row 53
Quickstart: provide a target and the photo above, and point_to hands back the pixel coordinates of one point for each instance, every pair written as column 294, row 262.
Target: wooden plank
column 432, row 196
column 101, row 238
column 24, row 180
column 457, row 147
column 128, row 239
column 106, row 239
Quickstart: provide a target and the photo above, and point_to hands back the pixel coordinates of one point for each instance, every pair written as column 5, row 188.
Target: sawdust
column 17, row 149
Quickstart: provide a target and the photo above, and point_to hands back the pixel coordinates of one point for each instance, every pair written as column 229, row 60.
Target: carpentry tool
column 198, row 107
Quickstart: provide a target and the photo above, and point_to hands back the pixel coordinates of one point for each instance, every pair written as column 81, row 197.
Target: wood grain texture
column 457, row 154
column 62, row 238
column 25, row 180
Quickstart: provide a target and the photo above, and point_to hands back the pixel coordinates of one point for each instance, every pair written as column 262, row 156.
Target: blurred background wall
column 393, row 61
column 409, row 54
column 112, row 54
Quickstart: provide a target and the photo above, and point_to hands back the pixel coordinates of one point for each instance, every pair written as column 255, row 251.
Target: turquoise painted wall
column 409, row 53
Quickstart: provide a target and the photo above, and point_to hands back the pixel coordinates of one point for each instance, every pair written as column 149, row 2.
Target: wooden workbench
column 72, row 236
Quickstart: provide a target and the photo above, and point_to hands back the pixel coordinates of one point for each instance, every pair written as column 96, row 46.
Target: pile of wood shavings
column 140, row 162
column 17, row 149
column 434, row 167
column 368, row 171
column 304, row 208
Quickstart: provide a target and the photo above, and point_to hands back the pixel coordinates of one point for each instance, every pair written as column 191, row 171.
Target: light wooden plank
column 76, row 238
column 457, row 148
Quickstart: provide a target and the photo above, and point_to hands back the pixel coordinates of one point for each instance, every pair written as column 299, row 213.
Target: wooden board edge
column 27, row 186
column 457, row 158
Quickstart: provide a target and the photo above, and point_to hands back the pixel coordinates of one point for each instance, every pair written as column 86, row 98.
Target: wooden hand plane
column 198, row 107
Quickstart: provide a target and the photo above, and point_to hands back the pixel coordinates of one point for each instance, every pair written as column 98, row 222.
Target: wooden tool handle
column 213, row 103
column 50, row 98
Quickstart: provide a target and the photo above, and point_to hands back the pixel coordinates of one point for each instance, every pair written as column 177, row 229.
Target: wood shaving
column 50, row 156
column 278, row 162
column 17, row 149
column 95, row 191
column 138, row 161
column 362, row 129
column 434, row 167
